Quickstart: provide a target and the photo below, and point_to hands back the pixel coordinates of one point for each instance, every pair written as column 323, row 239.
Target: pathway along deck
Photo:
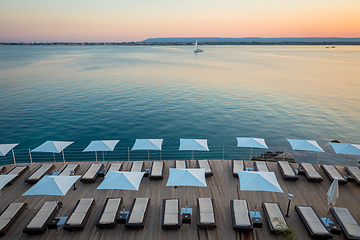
column 222, row 187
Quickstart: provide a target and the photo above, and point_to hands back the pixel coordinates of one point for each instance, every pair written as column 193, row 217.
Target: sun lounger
column 355, row 173
column 137, row 166
column 115, row 167
column 2, row 169
column 138, row 213
column 67, row 170
column 206, row 213
column 347, row 222
column 109, row 213
column 260, row 166
column 311, row 174
column 180, row 164
column 206, row 165
column 81, row 212
column 315, row 226
column 240, row 215
column 42, row 218
column 237, row 165
column 332, row 172
column 39, row 173
column 157, row 170
column 18, row 170
column 171, row 214
column 287, row 171
column 92, row 173
column 274, row 217
column 9, row 216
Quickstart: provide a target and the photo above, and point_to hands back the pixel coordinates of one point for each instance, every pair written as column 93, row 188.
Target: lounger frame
column 340, row 181
column 33, row 180
column 18, row 175
column 137, row 225
column 80, row 226
column 172, row 226
column 186, row 165
column 207, row 174
column 142, row 166
column 2, row 169
column 272, row 229
column 112, row 224
column 357, row 180
column 288, row 177
column 342, row 225
column 6, row 229
column 256, row 167
column 156, row 177
column 93, row 179
column 77, row 166
column 43, row 228
column 312, row 179
column 205, row 225
column 232, row 167
column 319, row 236
column 240, row 227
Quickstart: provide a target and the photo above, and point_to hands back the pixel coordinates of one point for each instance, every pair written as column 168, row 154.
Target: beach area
column 222, row 187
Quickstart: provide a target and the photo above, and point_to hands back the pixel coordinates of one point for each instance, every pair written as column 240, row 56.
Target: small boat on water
column 196, row 49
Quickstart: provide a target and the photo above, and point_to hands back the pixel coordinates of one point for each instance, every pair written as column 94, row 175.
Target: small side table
column 53, row 223
column 256, row 218
column 102, row 173
column 122, row 217
column 335, row 229
column 186, row 214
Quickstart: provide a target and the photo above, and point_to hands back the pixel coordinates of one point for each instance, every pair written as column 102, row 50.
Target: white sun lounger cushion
column 238, row 166
column 241, row 213
column 67, row 169
column 348, row 221
column 288, row 171
column 9, row 214
column 137, row 166
column 157, row 169
column 115, row 167
column 333, row 172
column 261, row 167
column 16, row 170
column 171, row 212
column 180, row 164
column 44, row 168
column 79, row 214
column 90, row 173
column 313, row 221
column 276, row 218
column 138, row 211
column 309, row 168
column 355, row 171
column 204, row 164
column 42, row 216
column 206, row 210
column 110, row 210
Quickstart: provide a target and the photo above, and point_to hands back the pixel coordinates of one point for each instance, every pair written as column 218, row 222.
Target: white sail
column 196, row 49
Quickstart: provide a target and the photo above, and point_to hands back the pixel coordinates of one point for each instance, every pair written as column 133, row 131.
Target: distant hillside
column 254, row 40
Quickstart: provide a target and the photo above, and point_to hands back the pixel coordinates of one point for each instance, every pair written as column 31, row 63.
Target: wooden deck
column 222, row 187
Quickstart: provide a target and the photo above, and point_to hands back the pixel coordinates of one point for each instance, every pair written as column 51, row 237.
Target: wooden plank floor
column 222, row 187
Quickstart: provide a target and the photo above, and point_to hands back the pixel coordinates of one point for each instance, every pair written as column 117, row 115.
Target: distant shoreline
column 178, row 43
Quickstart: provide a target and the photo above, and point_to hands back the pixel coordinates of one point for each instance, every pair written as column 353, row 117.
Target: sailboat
column 196, row 49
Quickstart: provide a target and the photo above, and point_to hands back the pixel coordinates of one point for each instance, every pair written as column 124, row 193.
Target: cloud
column 215, row 15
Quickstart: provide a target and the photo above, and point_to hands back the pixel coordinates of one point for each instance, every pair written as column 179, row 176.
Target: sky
column 136, row 20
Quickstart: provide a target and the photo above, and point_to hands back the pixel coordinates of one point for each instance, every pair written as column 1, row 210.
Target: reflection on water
column 84, row 93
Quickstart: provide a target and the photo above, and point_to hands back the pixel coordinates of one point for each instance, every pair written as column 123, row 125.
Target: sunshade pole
column 95, row 156
column 54, row 157
column 192, row 154
column 148, row 155
column 345, row 164
column 102, row 152
column 30, row 156
column 284, row 154
column 223, row 152
column 13, row 156
column 250, row 157
column 302, row 157
column 129, row 154
column 160, row 155
column 317, row 161
column 63, row 155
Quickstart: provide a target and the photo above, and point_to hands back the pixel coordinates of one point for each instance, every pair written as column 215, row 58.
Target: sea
column 85, row 93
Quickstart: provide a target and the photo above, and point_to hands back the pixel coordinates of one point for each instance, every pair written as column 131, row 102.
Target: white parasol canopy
column 52, row 185
column 259, row 181
column 101, row 145
column 193, row 144
column 346, row 148
column 5, row 148
column 187, row 177
column 333, row 192
column 251, row 143
column 305, row 145
column 53, row 147
column 122, row 180
column 147, row 144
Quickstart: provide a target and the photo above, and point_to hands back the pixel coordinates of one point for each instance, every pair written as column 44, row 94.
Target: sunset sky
column 136, row 20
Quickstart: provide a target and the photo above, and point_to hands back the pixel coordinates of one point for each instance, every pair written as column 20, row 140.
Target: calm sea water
column 84, row 93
